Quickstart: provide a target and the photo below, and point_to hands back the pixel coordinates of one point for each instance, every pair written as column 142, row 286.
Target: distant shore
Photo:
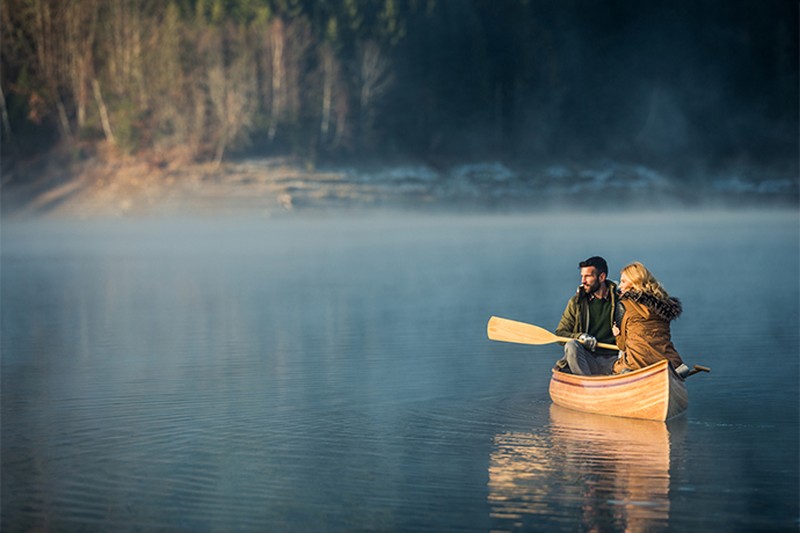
column 109, row 185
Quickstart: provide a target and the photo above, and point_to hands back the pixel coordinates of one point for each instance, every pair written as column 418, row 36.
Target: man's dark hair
column 595, row 261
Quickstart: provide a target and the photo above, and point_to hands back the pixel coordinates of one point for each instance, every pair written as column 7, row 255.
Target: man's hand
column 588, row 341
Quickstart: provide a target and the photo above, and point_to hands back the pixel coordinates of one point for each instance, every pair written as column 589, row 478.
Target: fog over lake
column 332, row 373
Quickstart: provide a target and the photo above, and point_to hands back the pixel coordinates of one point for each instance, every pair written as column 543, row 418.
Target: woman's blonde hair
column 643, row 280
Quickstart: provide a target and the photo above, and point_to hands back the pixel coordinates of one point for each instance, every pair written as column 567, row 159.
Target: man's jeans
column 583, row 362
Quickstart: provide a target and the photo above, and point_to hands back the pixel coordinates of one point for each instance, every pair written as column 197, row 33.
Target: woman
column 643, row 321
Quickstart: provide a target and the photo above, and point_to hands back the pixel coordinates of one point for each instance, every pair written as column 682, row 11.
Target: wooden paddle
column 503, row 329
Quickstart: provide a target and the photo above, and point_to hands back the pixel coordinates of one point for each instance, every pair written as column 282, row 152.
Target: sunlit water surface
column 334, row 375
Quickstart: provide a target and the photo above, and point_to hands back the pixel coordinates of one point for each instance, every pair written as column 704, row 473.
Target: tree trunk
column 327, row 94
column 375, row 79
column 276, row 109
column 101, row 106
column 220, row 151
column 63, row 119
column 6, row 122
column 81, row 23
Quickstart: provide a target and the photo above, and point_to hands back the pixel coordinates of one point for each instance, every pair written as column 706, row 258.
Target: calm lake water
column 333, row 374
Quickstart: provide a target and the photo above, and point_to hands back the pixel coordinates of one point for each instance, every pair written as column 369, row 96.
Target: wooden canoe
column 652, row 393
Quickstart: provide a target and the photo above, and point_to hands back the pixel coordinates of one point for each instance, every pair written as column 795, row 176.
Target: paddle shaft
column 599, row 344
column 696, row 369
column 503, row 329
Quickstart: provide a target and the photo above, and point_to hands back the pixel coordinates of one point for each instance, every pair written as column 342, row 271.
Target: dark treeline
column 656, row 82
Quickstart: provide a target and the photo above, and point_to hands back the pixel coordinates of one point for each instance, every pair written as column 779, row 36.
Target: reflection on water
column 613, row 472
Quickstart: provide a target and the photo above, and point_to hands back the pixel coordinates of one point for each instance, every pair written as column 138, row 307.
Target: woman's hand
column 615, row 330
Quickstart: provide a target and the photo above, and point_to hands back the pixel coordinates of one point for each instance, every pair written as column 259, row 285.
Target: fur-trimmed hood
column 668, row 309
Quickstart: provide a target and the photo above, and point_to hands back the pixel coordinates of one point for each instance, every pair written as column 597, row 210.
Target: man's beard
column 591, row 289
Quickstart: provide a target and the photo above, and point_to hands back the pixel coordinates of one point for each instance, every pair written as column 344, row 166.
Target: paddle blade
column 503, row 329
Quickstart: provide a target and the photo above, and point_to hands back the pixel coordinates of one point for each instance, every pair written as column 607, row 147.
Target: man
column 588, row 318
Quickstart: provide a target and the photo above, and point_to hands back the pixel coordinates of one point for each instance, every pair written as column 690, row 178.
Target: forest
column 434, row 80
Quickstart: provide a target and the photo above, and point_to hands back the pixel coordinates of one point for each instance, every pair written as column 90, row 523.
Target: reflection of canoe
column 585, row 472
column 653, row 393
column 636, row 441
column 624, row 464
